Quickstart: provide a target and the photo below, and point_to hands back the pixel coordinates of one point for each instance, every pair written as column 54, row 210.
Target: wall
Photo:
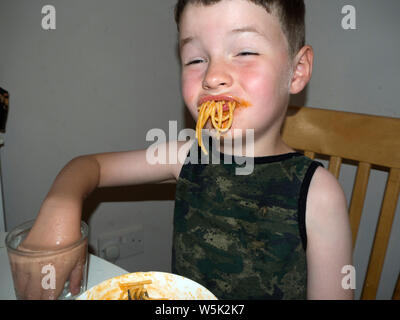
column 98, row 83
column 109, row 73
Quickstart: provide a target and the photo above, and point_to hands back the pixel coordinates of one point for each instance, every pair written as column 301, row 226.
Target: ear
column 303, row 64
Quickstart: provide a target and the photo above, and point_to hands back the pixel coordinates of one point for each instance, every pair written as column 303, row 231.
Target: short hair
column 291, row 14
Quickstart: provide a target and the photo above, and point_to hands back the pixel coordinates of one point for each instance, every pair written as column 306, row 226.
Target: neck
column 253, row 146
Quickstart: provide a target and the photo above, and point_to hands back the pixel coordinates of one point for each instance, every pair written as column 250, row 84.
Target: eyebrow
column 246, row 29
column 251, row 29
column 185, row 41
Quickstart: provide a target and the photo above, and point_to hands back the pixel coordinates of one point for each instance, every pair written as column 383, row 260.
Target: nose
column 217, row 76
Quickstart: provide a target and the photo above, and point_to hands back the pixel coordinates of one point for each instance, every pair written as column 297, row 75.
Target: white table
column 98, row 271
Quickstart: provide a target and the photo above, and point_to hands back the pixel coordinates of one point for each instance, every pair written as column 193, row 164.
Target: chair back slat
column 382, row 235
column 334, row 166
column 358, row 197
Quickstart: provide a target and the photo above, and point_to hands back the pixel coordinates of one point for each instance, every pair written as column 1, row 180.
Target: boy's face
column 236, row 48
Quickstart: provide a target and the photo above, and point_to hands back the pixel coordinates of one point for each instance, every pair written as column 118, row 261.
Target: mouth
column 219, row 109
column 223, row 98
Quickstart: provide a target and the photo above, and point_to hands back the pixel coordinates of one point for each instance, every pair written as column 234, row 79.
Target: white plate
column 164, row 286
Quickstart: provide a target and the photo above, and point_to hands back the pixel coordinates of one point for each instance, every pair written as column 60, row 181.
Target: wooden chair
column 363, row 139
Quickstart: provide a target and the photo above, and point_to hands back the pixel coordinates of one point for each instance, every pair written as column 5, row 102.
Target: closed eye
column 194, row 62
column 246, row 53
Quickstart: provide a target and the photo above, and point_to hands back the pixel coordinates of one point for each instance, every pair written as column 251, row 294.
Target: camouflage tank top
column 244, row 236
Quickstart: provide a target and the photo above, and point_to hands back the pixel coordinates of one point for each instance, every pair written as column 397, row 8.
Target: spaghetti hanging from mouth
column 221, row 114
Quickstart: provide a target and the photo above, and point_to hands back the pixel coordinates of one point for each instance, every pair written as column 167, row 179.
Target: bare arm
column 58, row 222
column 59, row 217
column 329, row 246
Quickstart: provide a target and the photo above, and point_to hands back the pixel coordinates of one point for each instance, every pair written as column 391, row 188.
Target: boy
column 281, row 232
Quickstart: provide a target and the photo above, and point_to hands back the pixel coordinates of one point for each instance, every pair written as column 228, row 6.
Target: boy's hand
column 57, row 227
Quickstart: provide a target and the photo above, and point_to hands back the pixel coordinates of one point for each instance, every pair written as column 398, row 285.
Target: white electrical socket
column 121, row 244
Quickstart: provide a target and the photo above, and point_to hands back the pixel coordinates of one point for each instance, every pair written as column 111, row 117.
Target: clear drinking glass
column 46, row 275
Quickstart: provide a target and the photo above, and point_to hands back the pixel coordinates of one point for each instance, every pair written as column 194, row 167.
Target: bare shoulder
column 325, row 196
column 170, row 155
column 326, row 208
